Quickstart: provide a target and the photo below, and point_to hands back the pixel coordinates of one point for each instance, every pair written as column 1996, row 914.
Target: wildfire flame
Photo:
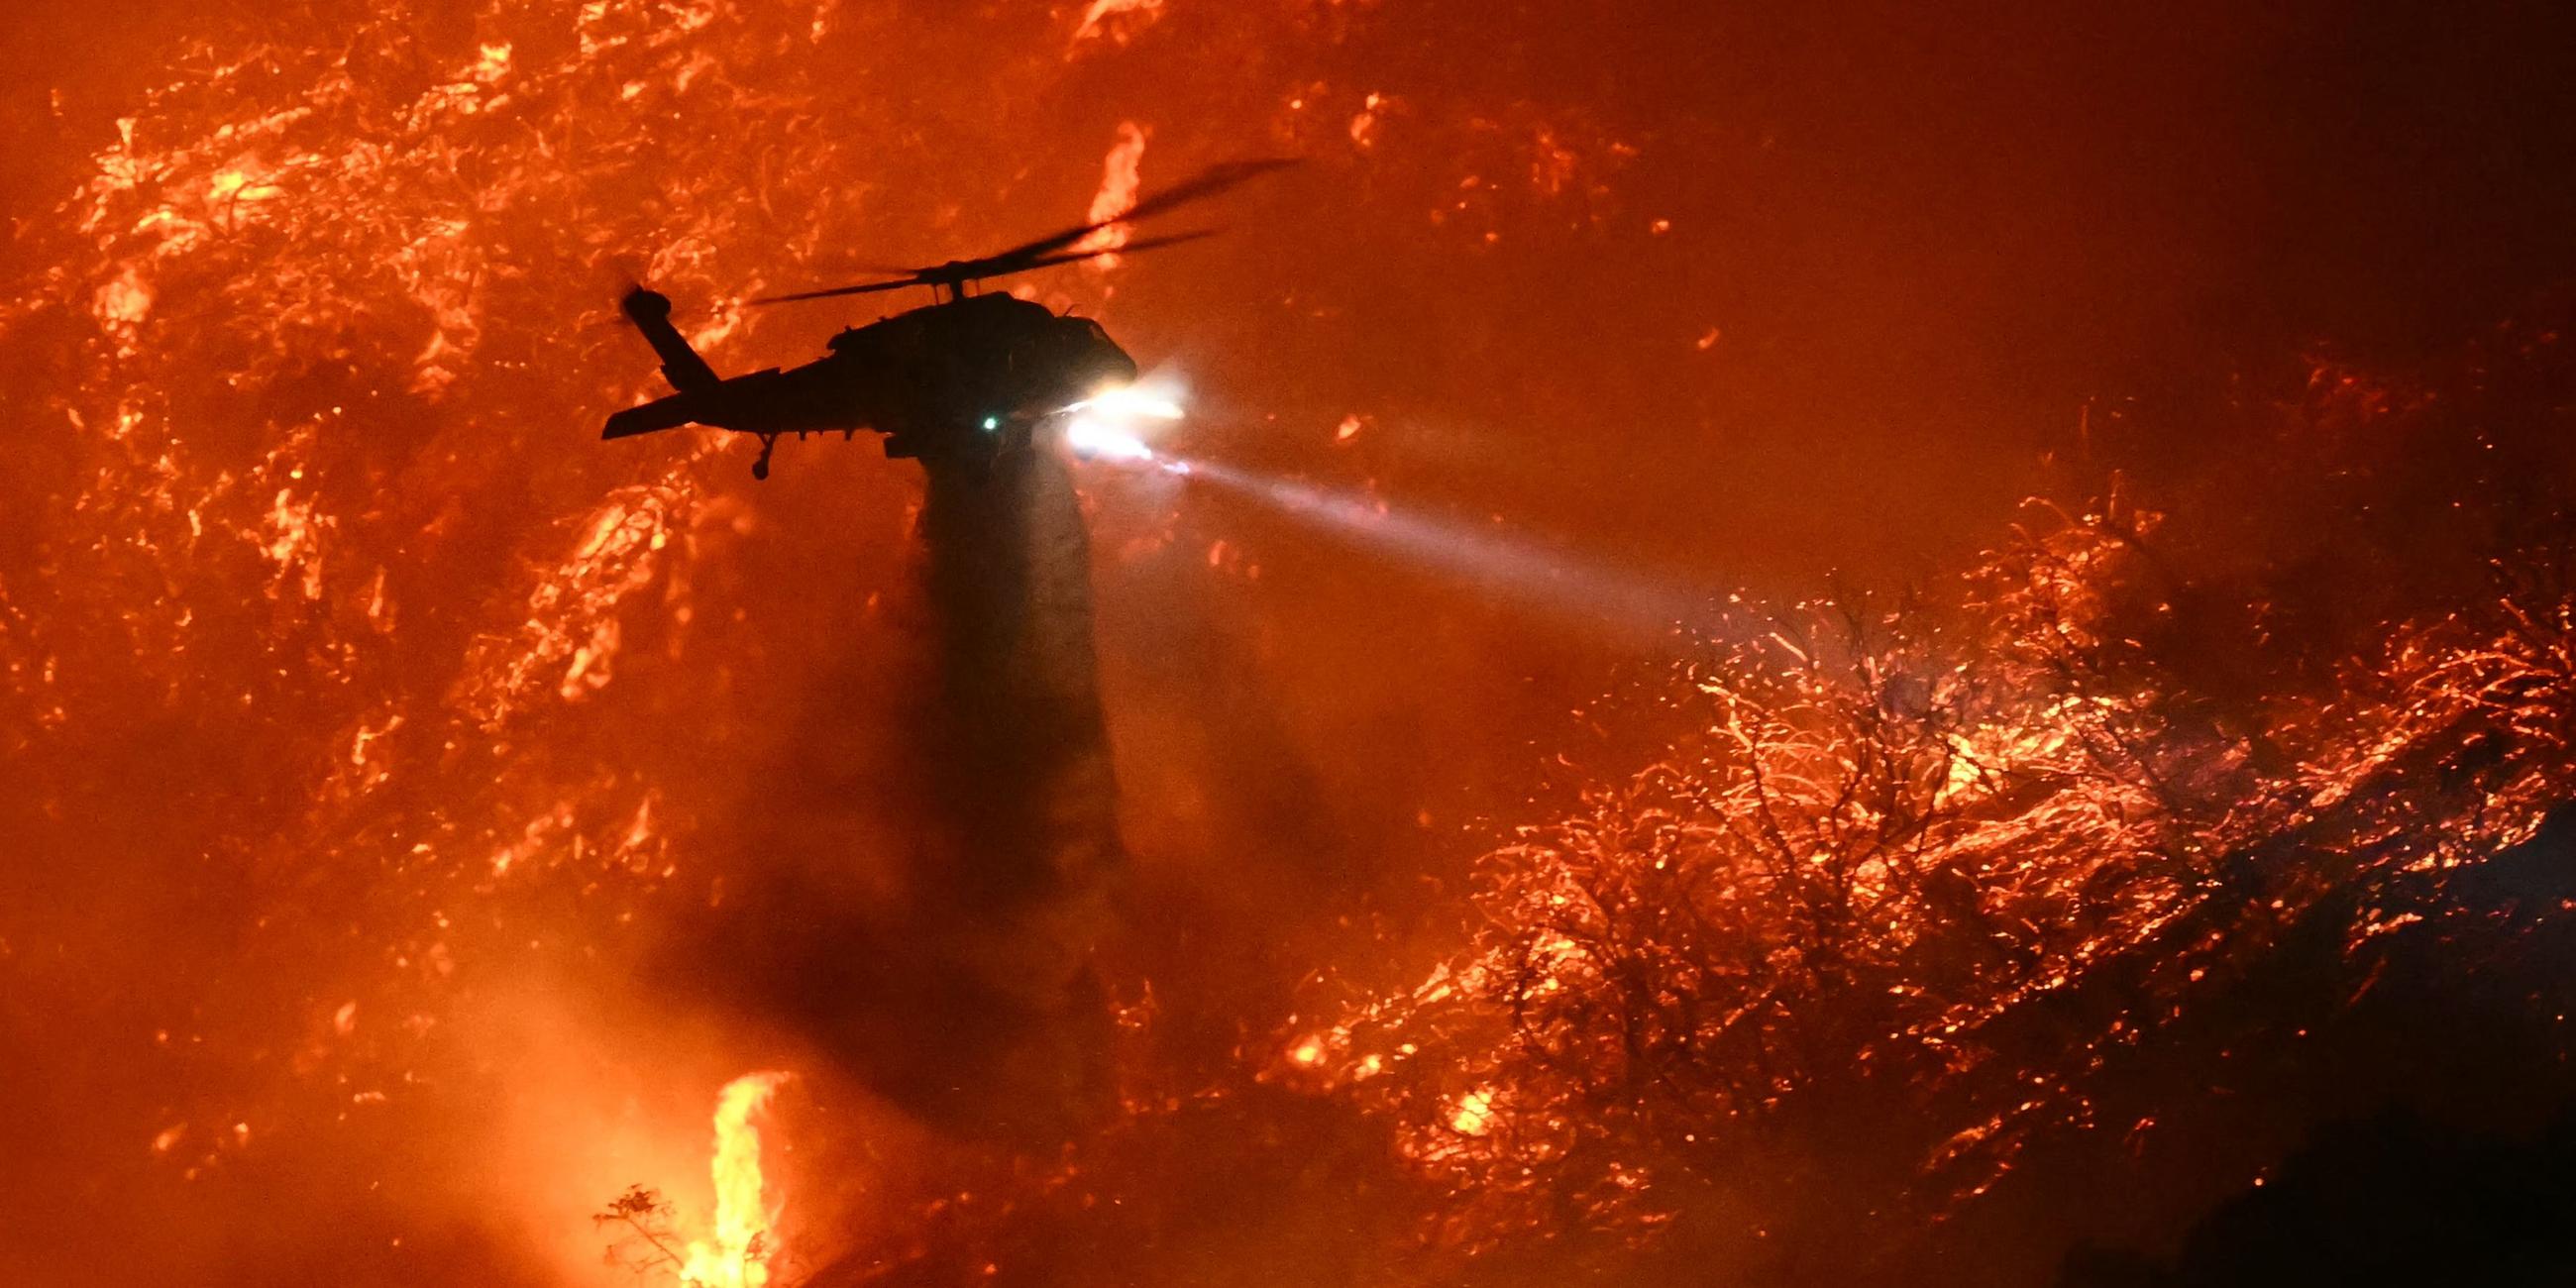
column 333, row 634
column 738, row 1252
column 1119, row 178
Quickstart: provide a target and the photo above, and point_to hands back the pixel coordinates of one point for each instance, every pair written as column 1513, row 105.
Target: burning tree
column 739, row 1245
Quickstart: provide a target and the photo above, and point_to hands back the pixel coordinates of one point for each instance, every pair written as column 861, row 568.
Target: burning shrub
column 1916, row 877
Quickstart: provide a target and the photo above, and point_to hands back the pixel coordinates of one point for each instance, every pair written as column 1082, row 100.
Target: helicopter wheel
column 760, row 467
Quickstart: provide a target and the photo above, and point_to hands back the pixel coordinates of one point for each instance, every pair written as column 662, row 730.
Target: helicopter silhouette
column 964, row 378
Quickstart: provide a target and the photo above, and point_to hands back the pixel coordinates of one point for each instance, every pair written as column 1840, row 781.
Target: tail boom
column 650, row 311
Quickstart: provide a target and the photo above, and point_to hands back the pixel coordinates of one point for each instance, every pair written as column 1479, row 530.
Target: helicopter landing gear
column 760, row 467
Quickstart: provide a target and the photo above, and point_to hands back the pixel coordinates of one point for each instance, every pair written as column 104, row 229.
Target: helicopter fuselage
column 970, row 376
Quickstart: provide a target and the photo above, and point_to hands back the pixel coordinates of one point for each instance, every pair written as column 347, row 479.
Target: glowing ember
column 1473, row 1115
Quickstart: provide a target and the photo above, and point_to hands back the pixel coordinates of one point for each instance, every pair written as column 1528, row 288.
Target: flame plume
column 1119, row 179
column 739, row 1252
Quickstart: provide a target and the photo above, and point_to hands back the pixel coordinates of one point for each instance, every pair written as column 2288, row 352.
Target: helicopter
column 964, row 378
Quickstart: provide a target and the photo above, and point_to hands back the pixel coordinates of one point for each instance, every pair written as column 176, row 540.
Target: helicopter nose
column 1113, row 364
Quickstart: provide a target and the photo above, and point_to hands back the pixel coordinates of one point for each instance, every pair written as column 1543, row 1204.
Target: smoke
column 923, row 890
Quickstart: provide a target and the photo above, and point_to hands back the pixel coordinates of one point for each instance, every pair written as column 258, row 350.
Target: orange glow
column 372, row 717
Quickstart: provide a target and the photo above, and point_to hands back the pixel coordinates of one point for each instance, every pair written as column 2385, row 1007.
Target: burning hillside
column 433, row 826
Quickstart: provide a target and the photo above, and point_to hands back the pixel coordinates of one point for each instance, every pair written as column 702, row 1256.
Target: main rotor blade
column 1035, row 254
column 1206, row 183
column 944, row 276
column 863, row 288
column 1150, row 243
